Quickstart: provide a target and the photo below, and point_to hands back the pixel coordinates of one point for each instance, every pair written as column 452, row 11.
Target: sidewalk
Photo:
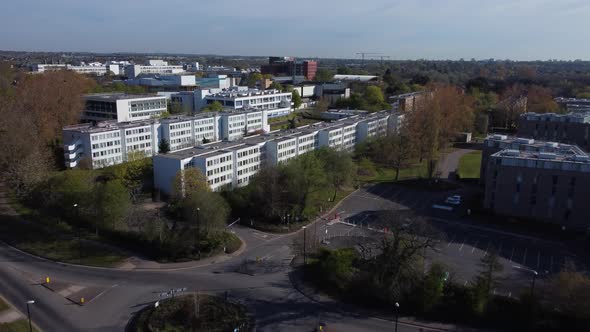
column 12, row 319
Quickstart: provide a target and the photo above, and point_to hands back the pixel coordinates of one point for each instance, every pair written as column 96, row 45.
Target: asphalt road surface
column 258, row 277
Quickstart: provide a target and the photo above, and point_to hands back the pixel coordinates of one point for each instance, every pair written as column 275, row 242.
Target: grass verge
column 37, row 239
column 180, row 314
column 21, row 325
column 469, row 165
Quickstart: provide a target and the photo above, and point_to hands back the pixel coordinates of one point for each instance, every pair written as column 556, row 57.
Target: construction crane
column 362, row 54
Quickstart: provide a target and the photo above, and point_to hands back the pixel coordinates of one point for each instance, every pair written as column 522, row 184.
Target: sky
column 402, row 29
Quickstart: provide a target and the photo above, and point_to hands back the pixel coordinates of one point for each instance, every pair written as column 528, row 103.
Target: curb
column 232, row 255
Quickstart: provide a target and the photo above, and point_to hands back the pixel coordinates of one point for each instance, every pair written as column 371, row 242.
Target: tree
column 253, row 79
column 164, row 146
column 112, row 204
column 303, row 176
column 373, row 95
column 276, row 85
column 68, row 188
column 296, row 99
column 569, row 291
column 322, row 105
column 188, row 181
column 324, row 75
column 339, row 168
column 395, row 268
column 486, row 280
column 207, row 209
column 215, row 106
column 134, row 173
column 398, row 150
column 336, row 266
column 344, row 71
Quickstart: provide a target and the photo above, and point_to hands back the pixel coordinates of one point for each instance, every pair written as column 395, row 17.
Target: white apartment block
column 109, row 143
column 241, row 98
column 123, row 107
column 153, row 67
column 235, row 125
column 331, row 137
column 186, row 132
column 281, row 150
column 250, row 153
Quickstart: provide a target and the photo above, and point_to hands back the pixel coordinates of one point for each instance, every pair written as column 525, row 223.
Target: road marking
column 103, row 292
column 451, row 242
column 461, row 248
column 538, row 259
column 485, row 253
column 512, row 254
column 474, row 245
column 524, row 256
column 509, row 294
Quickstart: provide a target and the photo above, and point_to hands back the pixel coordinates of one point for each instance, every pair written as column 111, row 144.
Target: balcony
column 71, row 164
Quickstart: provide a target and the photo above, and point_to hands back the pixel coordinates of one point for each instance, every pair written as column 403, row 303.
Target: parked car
column 454, row 200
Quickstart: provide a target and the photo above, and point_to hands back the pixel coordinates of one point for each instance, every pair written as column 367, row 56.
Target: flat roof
column 531, row 145
column 118, row 96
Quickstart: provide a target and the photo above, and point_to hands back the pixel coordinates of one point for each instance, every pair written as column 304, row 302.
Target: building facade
column 551, row 187
column 288, row 66
column 250, row 153
column 243, row 99
column 572, row 128
column 123, row 107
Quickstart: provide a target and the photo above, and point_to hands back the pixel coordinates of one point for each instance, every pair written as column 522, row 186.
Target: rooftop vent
column 552, row 144
column 511, row 152
column 547, row 155
column 499, row 137
column 521, row 140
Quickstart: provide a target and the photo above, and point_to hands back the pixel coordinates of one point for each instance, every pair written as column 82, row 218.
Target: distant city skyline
column 408, row 29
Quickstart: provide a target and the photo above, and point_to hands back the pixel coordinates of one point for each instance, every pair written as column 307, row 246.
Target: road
column 263, row 287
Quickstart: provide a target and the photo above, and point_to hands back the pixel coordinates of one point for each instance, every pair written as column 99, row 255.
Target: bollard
column 81, row 300
column 47, row 280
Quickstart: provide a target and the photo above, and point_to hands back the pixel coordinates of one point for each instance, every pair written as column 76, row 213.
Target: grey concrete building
column 572, row 128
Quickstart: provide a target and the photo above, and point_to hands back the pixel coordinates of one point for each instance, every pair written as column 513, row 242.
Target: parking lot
column 461, row 245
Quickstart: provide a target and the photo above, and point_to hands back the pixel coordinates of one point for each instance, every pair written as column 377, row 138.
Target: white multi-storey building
column 235, row 125
column 123, row 107
column 188, row 131
column 109, row 143
column 281, row 149
column 153, row 67
column 248, row 154
column 94, row 68
column 241, row 98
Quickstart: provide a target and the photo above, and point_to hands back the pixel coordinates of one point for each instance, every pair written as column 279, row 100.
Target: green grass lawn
column 3, row 305
column 469, row 165
column 386, row 174
column 21, row 325
column 39, row 240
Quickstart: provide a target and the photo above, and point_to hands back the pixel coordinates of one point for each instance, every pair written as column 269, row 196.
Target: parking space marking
column 451, row 242
column 462, row 244
column 474, row 246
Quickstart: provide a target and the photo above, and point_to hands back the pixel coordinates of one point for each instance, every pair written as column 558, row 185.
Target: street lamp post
column 304, row 246
column 79, row 232
column 535, row 274
column 29, row 302
column 198, row 241
column 396, row 314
